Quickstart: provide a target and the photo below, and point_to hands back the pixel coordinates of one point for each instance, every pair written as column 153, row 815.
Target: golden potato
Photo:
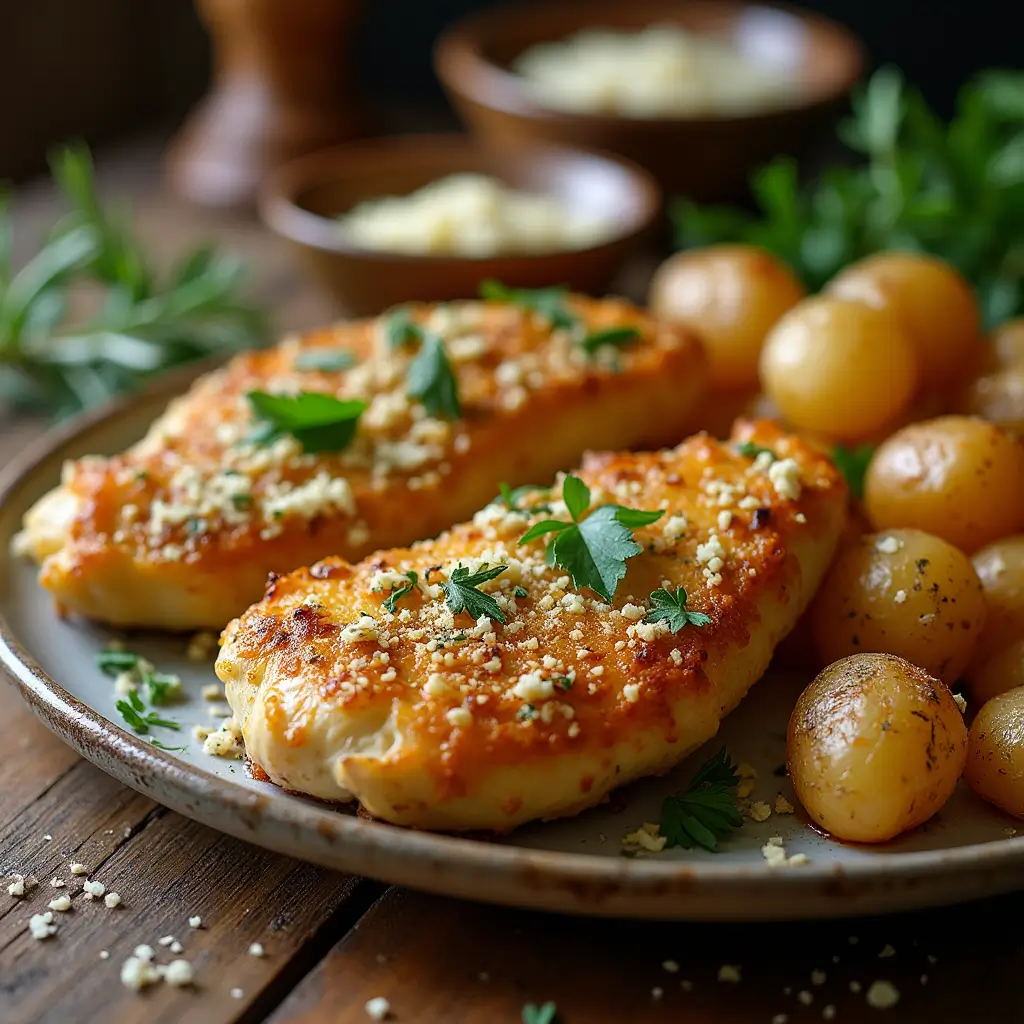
column 995, row 762
column 997, row 396
column 839, row 369
column 1006, row 343
column 1000, row 567
column 901, row 592
column 875, row 747
column 731, row 295
column 935, row 306
column 956, row 476
column 999, row 671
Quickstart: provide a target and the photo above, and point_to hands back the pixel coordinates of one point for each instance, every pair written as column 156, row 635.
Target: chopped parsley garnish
column 241, row 501
column 749, row 450
column 318, row 421
column 526, row 713
column 114, row 662
column 707, row 810
column 592, row 550
column 163, row 746
column 671, row 608
column 609, row 337
column 431, row 380
column 521, row 592
column 326, row 360
column 160, row 687
column 853, row 464
column 548, row 302
column 511, row 496
column 132, row 717
column 543, row 1014
column 400, row 330
column 461, row 594
column 564, row 682
column 396, row 595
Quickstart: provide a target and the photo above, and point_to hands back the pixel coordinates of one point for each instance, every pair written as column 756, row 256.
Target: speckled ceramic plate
column 574, row 866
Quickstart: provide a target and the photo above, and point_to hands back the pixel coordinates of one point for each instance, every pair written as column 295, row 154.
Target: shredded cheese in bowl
column 660, row 71
column 471, row 215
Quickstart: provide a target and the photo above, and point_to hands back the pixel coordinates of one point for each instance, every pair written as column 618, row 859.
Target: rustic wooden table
column 333, row 943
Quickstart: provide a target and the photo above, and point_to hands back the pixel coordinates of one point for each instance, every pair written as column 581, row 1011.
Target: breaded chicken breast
column 376, row 682
column 181, row 530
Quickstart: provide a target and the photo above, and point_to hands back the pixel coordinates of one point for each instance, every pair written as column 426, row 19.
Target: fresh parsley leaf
column 853, row 464
column 526, row 713
column 431, row 380
column 132, row 717
column 326, row 360
column 318, row 421
column 114, row 662
column 396, row 595
column 576, row 495
column 511, row 496
column 564, row 682
column 159, row 687
column 610, row 337
column 749, row 450
column 671, row 608
column 592, row 550
column 546, row 1013
column 400, row 330
column 163, row 746
column 548, row 302
column 707, row 810
column 461, row 594
column 165, row 723
column 521, row 592
column 135, row 700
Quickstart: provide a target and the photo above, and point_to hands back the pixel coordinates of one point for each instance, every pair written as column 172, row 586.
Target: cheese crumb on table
column 60, row 903
column 256, row 949
column 237, row 993
column 760, row 811
column 782, row 805
column 178, row 973
column 195, row 922
column 137, row 972
column 112, row 899
column 92, row 890
column 882, row 995
column 41, row 926
column 77, row 868
column 377, row 1008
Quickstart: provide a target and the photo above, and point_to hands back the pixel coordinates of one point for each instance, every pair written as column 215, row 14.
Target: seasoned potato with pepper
column 997, row 396
column 731, row 295
column 901, row 592
column 998, row 671
column 935, row 306
column 875, row 747
column 1000, row 567
column 956, row 476
column 995, row 762
column 839, row 369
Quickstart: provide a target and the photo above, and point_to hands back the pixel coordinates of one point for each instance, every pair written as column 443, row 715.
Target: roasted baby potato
column 840, row 369
column 935, row 306
column 956, row 476
column 995, row 762
column 1000, row 567
column 875, row 747
column 995, row 672
column 901, row 592
column 731, row 295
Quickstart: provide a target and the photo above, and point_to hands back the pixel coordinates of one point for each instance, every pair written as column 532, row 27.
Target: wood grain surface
column 332, row 943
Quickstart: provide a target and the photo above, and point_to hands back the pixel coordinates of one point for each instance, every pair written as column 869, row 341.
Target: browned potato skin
column 934, row 624
column 995, row 762
column 934, row 303
column 1000, row 567
column 1005, row 346
column 840, row 369
column 997, row 396
column 875, row 747
column 955, row 476
column 731, row 295
column 1001, row 671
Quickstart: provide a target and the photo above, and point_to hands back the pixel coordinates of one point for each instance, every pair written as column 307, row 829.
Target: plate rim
column 577, row 877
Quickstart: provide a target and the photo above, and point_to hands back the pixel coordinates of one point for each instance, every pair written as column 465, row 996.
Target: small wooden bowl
column 704, row 158
column 302, row 200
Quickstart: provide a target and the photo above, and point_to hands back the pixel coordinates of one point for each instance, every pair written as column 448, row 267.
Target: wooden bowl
column 705, row 158
column 303, row 199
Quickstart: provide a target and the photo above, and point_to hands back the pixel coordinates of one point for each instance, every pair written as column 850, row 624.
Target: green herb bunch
column 51, row 361
column 955, row 190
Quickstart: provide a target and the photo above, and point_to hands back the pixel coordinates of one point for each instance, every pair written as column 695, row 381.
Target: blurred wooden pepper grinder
column 282, row 86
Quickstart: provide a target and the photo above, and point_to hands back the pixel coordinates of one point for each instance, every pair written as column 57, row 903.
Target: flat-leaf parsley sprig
column 671, row 609
column 429, row 378
column 318, row 421
column 461, row 594
column 707, row 811
column 593, row 550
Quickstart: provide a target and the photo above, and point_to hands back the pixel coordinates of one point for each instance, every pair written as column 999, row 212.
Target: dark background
column 105, row 69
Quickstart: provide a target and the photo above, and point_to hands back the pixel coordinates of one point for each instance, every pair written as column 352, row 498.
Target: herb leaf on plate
column 853, row 464
column 706, row 811
column 671, row 609
column 461, row 594
column 318, row 421
column 430, row 379
column 548, row 302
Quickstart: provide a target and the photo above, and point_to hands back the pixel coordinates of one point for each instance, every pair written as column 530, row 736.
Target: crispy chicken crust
column 181, row 530
column 434, row 720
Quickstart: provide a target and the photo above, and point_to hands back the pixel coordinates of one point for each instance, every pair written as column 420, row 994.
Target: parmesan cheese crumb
column 92, row 890
column 631, row 691
column 760, row 811
column 646, row 837
column 901, row 596
column 783, row 806
column 165, row 940
column 57, row 883
column 961, row 702
column 377, row 1008
column 137, row 973
column 41, row 926
column 882, row 995
column 77, row 869
column 784, row 475
column 460, row 717
column 195, row 922
column 237, row 993
column 178, row 973
column 60, row 903
column 256, row 949
column 888, row 545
